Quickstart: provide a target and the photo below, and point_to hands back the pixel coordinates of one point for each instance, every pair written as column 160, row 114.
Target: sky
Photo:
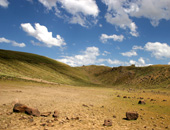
column 89, row 32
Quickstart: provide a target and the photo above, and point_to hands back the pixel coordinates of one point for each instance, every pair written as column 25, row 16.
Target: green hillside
column 129, row 76
column 20, row 65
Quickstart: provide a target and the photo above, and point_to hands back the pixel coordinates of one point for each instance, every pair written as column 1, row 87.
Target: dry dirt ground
column 82, row 108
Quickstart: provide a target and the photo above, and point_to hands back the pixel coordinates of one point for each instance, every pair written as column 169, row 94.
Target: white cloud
column 41, row 33
column 155, row 10
column 119, row 12
column 14, row 43
column 130, row 53
column 100, row 25
column 89, row 56
column 105, row 37
column 135, row 47
column 141, row 62
column 79, row 9
column 4, row 3
column 168, row 63
column 116, row 15
column 158, row 50
column 105, row 53
column 117, row 62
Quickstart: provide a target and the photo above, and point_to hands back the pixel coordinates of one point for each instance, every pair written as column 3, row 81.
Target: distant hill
column 26, row 66
column 151, row 76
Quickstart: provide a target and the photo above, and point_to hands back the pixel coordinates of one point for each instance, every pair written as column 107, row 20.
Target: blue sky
column 86, row 32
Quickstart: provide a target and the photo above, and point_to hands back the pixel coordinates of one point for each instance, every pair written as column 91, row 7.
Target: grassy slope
column 18, row 65
column 151, row 76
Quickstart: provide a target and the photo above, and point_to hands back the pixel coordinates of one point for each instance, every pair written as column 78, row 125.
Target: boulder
column 32, row 111
column 141, row 102
column 132, row 115
column 107, row 122
column 19, row 107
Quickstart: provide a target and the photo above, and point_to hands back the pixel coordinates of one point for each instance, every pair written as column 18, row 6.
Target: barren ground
column 82, row 108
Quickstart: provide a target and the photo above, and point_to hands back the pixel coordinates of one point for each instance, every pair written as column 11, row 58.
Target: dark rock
column 56, row 114
column 107, row 122
column 118, row 95
column 132, row 115
column 19, row 107
column 124, row 96
column 141, row 102
column 32, row 111
column 46, row 114
column 164, row 100
column 114, row 116
column 84, row 105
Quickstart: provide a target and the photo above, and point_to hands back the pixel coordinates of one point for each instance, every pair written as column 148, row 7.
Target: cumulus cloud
column 79, row 10
column 135, row 47
column 158, row 50
column 14, row 43
column 141, row 62
column 155, row 10
column 89, row 56
column 105, row 37
column 42, row 34
column 117, row 16
column 130, row 53
column 4, row 3
column 120, row 12
column 105, row 53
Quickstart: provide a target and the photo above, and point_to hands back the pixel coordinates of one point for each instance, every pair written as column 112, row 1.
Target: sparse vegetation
column 19, row 65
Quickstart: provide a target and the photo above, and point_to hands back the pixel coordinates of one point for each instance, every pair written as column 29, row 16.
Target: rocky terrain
column 82, row 108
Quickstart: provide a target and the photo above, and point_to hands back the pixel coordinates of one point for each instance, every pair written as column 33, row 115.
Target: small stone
column 55, row 119
column 84, row 105
column 132, row 115
column 107, row 122
column 124, row 96
column 114, row 116
column 164, row 100
column 43, row 124
column 56, row 114
column 118, row 95
column 46, row 114
column 31, row 120
column 141, row 102
column 9, row 113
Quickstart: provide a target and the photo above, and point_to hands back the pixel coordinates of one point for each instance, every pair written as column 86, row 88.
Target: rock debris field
column 34, row 106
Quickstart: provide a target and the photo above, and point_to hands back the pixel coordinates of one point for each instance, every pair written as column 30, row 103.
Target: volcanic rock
column 107, row 122
column 32, row 111
column 132, row 115
column 19, row 107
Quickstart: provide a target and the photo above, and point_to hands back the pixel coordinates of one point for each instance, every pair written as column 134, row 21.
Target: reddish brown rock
column 124, row 96
column 132, row 115
column 32, row 111
column 56, row 114
column 141, row 102
column 107, row 122
column 46, row 114
column 19, row 107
